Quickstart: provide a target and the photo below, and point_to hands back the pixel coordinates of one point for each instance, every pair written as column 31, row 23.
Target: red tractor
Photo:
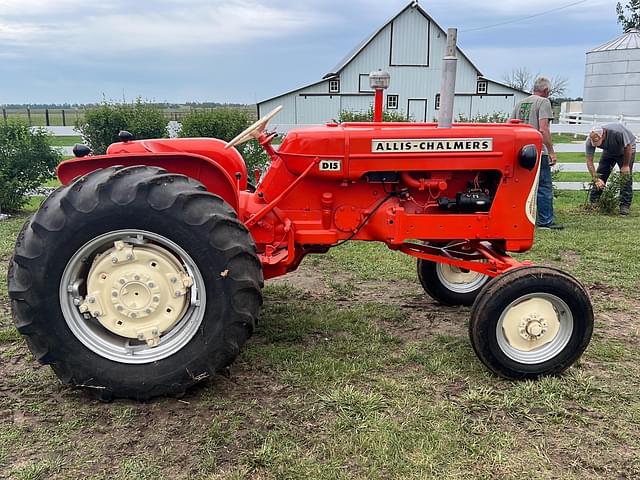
column 142, row 275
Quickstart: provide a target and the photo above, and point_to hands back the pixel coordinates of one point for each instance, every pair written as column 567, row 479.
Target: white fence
column 581, row 123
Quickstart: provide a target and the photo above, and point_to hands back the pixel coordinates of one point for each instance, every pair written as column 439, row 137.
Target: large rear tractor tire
column 133, row 282
column 531, row 322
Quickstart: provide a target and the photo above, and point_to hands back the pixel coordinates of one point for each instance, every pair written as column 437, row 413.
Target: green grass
column 358, row 375
column 65, row 140
column 572, row 177
column 571, row 157
column 567, row 138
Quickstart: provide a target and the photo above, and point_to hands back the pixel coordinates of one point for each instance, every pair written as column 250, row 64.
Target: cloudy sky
column 55, row 51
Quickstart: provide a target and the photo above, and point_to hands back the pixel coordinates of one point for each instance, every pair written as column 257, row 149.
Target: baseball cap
column 596, row 136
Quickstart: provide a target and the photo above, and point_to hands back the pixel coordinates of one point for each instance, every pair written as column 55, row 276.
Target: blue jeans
column 545, row 194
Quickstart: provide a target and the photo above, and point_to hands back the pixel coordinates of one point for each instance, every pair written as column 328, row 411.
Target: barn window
column 392, row 102
column 437, row 101
column 482, row 86
column 334, row 86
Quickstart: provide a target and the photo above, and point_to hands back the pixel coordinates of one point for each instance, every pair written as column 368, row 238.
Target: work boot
column 624, row 209
column 551, row 226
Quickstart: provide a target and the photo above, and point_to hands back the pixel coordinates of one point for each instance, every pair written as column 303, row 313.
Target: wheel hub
column 137, row 291
column 531, row 324
column 533, row 327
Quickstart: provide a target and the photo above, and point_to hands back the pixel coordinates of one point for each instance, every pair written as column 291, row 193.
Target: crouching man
column 618, row 146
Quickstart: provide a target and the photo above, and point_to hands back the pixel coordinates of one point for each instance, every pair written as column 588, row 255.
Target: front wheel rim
column 109, row 345
column 532, row 328
column 458, row 281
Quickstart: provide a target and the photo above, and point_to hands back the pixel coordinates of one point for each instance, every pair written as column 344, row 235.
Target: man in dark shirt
column 618, row 146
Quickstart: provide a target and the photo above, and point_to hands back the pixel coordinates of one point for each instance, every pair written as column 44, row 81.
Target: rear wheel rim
column 547, row 351
column 459, row 281
column 109, row 345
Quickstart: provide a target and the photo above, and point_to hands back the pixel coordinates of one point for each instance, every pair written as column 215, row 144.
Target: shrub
column 225, row 124
column 609, row 201
column 495, row 117
column 26, row 161
column 387, row 116
column 102, row 124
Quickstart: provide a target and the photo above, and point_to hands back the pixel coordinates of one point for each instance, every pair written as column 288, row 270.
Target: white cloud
column 518, row 8
column 13, row 8
column 566, row 61
column 190, row 24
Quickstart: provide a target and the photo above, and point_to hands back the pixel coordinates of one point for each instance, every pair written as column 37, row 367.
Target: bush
column 609, row 201
column 102, row 124
column 26, row 161
column 387, row 116
column 225, row 124
column 495, row 117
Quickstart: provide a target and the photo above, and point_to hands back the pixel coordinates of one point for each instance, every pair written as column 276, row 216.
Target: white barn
column 410, row 47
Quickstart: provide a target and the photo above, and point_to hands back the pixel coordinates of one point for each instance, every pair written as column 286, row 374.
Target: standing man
column 618, row 146
column 536, row 110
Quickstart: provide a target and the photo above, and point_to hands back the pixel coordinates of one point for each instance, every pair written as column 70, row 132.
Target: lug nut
column 76, row 301
column 114, row 294
column 136, row 277
column 91, row 300
column 129, row 256
column 114, row 260
column 133, row 315
column 156, row 299
column 151, row 284
column 120, row 308
column 96, row 314
column 173, row 280
column 122, row 281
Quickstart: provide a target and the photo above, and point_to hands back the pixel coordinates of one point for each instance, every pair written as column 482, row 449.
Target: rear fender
column 207, row 171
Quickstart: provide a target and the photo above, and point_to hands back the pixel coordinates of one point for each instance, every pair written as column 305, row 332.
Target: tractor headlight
column 528, row 156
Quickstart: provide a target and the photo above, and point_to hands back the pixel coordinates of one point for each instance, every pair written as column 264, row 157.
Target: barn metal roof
column 631, row 39
column 361, row 46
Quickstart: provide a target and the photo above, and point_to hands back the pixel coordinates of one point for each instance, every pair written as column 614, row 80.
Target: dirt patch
column 307, row 279
column 617, row 314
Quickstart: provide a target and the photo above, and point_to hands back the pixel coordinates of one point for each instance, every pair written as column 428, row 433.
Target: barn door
column 417, row 109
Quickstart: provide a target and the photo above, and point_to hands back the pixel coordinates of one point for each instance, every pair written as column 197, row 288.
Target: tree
column 632, row 20
column 225, row 123
column 523, row 79
column 26, row 161
column 520, row 79
column 102, row 124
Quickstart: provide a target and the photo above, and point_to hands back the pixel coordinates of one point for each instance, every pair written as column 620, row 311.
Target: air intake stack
column 448, row 85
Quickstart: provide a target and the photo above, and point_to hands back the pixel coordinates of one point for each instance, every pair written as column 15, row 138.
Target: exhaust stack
column 379, row 82
column 448, row 84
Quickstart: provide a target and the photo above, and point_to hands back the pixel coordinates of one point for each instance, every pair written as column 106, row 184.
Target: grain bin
column 612, row 77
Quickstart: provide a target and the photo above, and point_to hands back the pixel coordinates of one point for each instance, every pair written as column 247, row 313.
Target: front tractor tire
column 135, row 283
column 531, row 322
column 450, row 285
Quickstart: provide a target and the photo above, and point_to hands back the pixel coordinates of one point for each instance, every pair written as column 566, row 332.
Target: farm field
column 355, row 373
column 72, row 116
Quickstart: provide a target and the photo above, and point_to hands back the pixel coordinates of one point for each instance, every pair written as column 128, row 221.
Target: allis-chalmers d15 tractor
column 142, row 274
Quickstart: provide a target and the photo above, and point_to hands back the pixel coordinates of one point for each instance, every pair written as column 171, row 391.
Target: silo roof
column 631, row 39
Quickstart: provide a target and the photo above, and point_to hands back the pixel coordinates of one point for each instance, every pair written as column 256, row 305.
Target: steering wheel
column 255, row 129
